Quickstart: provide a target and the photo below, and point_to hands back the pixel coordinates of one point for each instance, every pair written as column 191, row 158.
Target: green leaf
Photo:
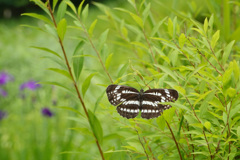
column 227, row 76
column 170, row 27
column 71, row 5
column 80, row 7
column 173, row 56
column 231, row 92
column 62, row 72
column 132, row 2
column 137, row 19
column 181, row 40
column 38, row 16
column 58, row 84
column 54, row 4
column 161, row 122
column 48, row 50
column 215, row 38
column 98, row 101
column 43, row 6
column 139, row 44
column 108, row 61
column 177, row 105
column 85, row 13
column 70, row 109
column 61, row 11
column 156, row 27
column 167, row 71
column 205, row 26
column 122, row 70
column 61, row 28
column 96, row 126
column 78, row 61
column 235, row 70
column 199, row 31
column 202, row 97
column 86, row 83
column 102, row 39
column 207, row 125
column 91, row 28
column 123, row 29
column 238, row 131
column 146, row 11
column 168, row 114
column 227, row 51
column 180, row 90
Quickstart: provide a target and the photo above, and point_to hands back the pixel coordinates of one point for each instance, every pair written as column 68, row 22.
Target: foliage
column 198, row 59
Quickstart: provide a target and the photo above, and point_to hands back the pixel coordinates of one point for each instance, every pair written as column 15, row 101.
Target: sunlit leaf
column 61, row 28
column 170, row 27
column 86, row 83
column 181, row 40
column 91, row 28
column 108, row 61
column 227, row 51
column 96, row 126
column 71, row 5
column 215, row 38
column 80, row 7
column 205, row 25
column 102, row 39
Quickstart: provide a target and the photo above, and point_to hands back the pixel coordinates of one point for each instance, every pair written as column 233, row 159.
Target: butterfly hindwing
column 151, row 99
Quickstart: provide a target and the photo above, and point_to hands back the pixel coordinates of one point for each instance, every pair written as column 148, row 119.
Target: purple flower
column 46, row 112
column 2, row 114
column 32, row 85
column 4, row 78
column 3, row 92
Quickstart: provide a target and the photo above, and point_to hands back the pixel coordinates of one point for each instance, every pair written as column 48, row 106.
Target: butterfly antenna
column 148, row 84
column 137, row 82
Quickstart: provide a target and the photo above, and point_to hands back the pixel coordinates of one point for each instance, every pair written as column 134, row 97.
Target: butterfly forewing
column 151, row 99
column 126, row 98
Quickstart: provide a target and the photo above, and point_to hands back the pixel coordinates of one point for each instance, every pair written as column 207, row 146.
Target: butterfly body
column 130, row 101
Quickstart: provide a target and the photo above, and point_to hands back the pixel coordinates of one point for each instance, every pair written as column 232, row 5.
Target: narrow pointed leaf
column 78, row 60
column 38, row 16
column 48, row 50
column 227, row 51
column 96, row 126
column 86, row 83
column 62, row 8
column 80, row 7
column 62, row 72
column 61, row 28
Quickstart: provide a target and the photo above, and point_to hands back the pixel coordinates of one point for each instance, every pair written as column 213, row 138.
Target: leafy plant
column 177, row 52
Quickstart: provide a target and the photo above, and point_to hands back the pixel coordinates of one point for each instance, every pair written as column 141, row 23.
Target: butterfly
column 130, row 101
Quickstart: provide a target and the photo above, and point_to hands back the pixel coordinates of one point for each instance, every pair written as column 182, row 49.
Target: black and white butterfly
column 130, row 101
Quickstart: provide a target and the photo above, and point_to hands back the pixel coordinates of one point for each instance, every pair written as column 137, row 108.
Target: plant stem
column 95, row 49
column 141, row 143
column 174, row 140
column 204, row 56
column 72, row 77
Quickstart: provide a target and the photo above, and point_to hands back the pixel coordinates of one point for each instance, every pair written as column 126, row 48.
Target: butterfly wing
column 125, row 98
column 151, row 99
